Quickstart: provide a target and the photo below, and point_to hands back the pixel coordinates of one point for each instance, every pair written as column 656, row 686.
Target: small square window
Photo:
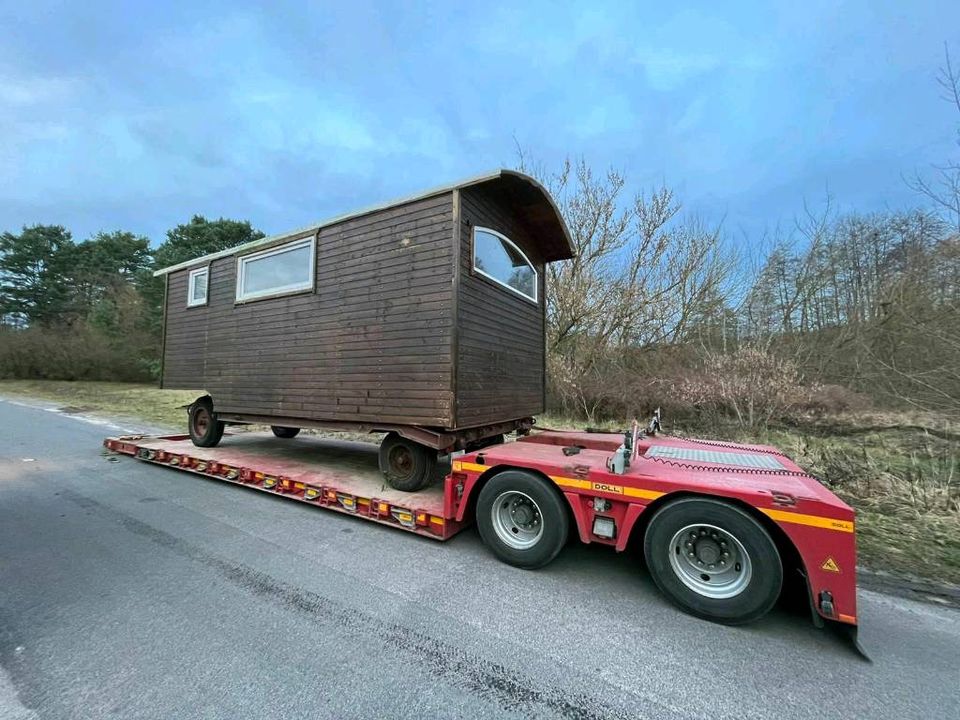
column 197, row 288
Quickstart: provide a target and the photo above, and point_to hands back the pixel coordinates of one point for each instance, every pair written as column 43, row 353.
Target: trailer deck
column 334, row 474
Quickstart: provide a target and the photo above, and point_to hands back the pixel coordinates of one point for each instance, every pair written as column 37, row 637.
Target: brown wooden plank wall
column 372, row 343
column 501, row 335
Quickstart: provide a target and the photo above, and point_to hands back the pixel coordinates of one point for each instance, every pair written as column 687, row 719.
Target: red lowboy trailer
column 722, row 525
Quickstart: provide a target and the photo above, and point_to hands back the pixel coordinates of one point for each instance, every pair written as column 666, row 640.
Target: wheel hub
column 708, row 551
column 401, row 460
column 522, row 513
column 517, row 520
column 201, row 421
column 710, row 561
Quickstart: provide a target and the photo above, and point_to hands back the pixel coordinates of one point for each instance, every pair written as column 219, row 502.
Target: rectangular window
column 278, row 271
column 197, row 287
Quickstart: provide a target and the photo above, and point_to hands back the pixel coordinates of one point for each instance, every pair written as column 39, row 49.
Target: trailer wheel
column 522, row 519
column 406, row 465
column 284, row 432
column 205, row 430
column 713, row 560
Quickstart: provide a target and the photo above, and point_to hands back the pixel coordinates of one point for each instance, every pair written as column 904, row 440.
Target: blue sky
column 135, row 116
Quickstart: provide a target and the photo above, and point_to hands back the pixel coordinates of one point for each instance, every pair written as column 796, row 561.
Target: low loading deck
column 334, row 474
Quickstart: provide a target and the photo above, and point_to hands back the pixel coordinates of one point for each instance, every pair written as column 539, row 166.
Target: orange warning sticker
column 830, row 565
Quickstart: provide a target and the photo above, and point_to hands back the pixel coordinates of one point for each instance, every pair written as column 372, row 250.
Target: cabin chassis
column 440, row 440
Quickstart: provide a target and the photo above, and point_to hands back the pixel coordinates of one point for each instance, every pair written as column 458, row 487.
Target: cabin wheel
column 406, row 465
column 284, row 432
column 522, row 519
column 713, row 560
column 202, row 424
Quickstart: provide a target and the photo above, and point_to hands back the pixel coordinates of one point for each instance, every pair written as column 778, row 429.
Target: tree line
column 92, row 309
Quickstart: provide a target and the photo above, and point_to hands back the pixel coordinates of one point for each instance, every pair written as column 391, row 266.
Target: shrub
column 822, row 400
column 80, row 352
column 751, row 384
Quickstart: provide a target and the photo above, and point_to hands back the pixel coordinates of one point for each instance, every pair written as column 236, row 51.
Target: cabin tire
column 284, row 432
column 406, row 465
column 202, row 424
column 713, row 560
column 522, row 519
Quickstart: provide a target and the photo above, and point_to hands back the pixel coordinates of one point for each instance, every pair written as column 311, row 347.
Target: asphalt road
column 132, row 591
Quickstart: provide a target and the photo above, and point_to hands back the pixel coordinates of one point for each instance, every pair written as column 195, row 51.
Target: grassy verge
column 139, row 401
column 904, row 483
column 901, row 476
column 144, row 402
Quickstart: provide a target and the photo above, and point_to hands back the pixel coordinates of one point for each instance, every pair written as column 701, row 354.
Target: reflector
column 604, row 527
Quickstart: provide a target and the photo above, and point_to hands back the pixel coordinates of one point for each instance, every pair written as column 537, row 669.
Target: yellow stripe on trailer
column 812, row 520
column 469, row 467
column 576, row 483
column 624, row 490
column 571, row 482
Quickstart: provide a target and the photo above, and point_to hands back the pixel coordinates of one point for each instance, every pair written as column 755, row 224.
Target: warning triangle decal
column 830, row 565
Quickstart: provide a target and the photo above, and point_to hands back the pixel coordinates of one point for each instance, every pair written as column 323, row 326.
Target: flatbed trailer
column 722, row 525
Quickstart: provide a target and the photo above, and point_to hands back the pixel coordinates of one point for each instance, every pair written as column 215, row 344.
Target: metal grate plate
column 730, row 459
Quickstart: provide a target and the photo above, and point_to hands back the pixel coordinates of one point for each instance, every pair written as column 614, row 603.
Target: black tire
column 752, row 582
column 202, row 424
column 531, row 493
column 284, row 432
column 406, row 465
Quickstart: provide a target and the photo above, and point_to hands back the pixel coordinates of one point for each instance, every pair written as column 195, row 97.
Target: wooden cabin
column 423, row 318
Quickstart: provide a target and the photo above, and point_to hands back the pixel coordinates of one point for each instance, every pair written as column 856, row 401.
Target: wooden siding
column 371, row 344
column 501, row 341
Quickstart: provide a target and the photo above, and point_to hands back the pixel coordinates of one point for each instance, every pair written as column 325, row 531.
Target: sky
column 136, row 116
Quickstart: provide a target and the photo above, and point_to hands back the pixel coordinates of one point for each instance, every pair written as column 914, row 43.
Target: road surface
column 133, row 591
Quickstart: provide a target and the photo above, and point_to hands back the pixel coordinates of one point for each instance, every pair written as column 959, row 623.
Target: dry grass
column 137, row 400
column 140, row 401
column 904, row 484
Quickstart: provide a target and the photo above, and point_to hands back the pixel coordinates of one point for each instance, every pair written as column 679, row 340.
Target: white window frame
column 191, row 284
column 244, row 260
column 536, row 275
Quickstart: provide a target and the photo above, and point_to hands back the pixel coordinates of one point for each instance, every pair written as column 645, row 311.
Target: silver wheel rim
column 710, row 561
column 517, row 520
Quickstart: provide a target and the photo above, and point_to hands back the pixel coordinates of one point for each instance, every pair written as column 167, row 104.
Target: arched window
column 496, row 257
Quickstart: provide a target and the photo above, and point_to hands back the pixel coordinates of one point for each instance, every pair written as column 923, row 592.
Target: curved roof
column 524, row 193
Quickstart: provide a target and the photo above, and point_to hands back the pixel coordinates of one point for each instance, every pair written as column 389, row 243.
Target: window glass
column 288, row 268
column 197, row 288
column 500, row 260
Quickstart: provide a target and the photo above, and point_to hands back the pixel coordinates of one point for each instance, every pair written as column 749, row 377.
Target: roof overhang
column 539, row 209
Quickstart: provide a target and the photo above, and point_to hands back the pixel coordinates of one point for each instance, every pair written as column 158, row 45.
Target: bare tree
column 944, row 187
column 640, row 277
